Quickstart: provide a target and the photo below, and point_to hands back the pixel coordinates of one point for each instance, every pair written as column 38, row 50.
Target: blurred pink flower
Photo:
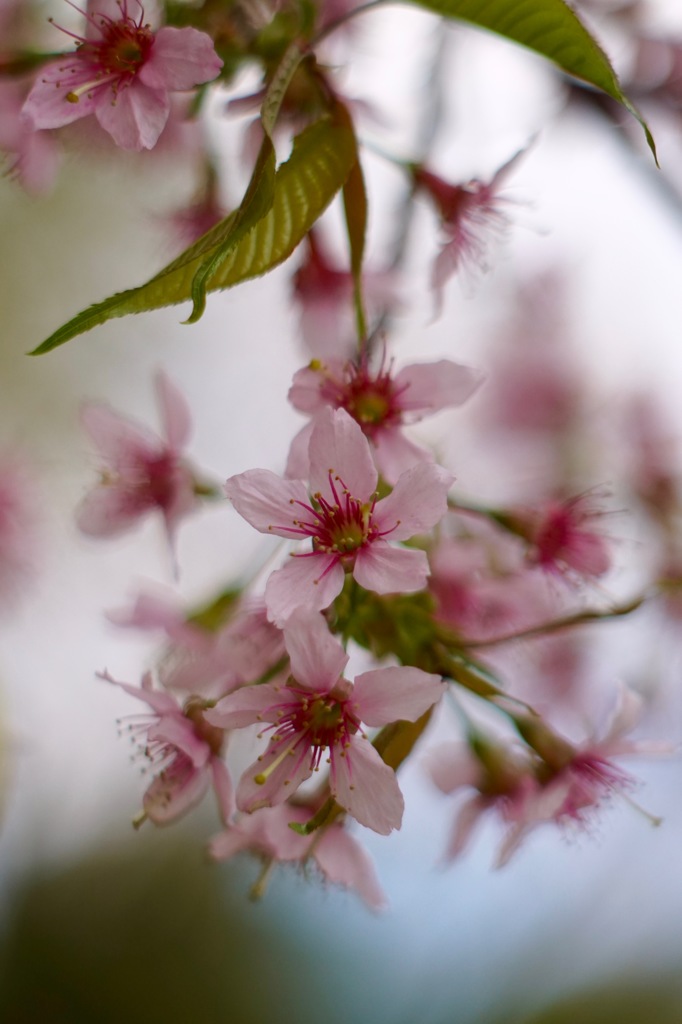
column 469, row 212
column 18, row 515
column 184, row 750
column 381, row 402
column 562, row 540
column 122, row 72
column 33, row 157
column 317, row 711
column 339, row 857
column 208, row 660
column 348, row 527
column 143, row 473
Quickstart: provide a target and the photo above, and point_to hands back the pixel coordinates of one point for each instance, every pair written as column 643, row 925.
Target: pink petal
column 367, row 788
column 159, row 701
column 390, row 570
column 175, row 413
column 395, row 454
column 417, row 502
column 119, row 440
column 135, row 117
column 451, row 768
column 168, row 798
column 266, row 501
column 180, row 59
column 303, row 583
column 298, row 462
column 246, row 706
column 433, row 386
column 225, row 845
column 387, row 694
column 466, row 820
column 281, row 782
column 343, row 861
column 306, row 391
column 46, row 105
column 317, row 657
column 108, row 511
column 338, row 444
column 178, row 731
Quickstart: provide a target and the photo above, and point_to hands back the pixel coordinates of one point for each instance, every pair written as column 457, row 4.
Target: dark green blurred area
column 152, row 934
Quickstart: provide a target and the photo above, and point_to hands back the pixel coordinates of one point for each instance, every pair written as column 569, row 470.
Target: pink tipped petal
column 367, row 788
column 317, row 657
column 266, row 501
column 303, row 583
column 390, row 570
column 338, row 444
column 175, row 412
column 344, row 862
column 388, row 694
column 429, row 387
column 180, row 59
column 136, row 118
column 229, row 843
column 417, row 502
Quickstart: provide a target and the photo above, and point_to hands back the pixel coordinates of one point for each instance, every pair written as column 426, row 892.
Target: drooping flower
column 350, row 530
column 212, row 651
column 319, row 711
column 469, row 213
column 565, row 787
column 562, row 539
column 122, row 72
column 184, row 750
column 338, row 855
column 381, row 402
column 143, row 473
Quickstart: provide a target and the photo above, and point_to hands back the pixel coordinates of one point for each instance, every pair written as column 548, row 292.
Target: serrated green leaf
column 322, row 158
column 550, row 28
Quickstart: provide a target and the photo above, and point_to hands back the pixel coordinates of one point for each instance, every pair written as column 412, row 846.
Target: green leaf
column 321, row 160
column 550, row 28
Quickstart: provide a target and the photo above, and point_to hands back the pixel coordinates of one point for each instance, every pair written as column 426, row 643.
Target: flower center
column 125, row 48
column 340, row 526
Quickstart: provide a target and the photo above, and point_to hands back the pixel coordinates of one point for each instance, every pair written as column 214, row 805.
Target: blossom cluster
column 382, row 556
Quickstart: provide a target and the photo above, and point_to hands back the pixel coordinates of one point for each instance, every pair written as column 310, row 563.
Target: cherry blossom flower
column 348, row 527
column 526, row 791
column 381, row 402
column 204, row 658
column 122, row 72
column 563, row 541
column 184, row 750
column 319, row 710
column 143, row 473
column 339, row 857
column 587, row 778
column 468, row 213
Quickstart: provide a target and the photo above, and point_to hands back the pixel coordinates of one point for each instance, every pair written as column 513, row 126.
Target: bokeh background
column 101, row 924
